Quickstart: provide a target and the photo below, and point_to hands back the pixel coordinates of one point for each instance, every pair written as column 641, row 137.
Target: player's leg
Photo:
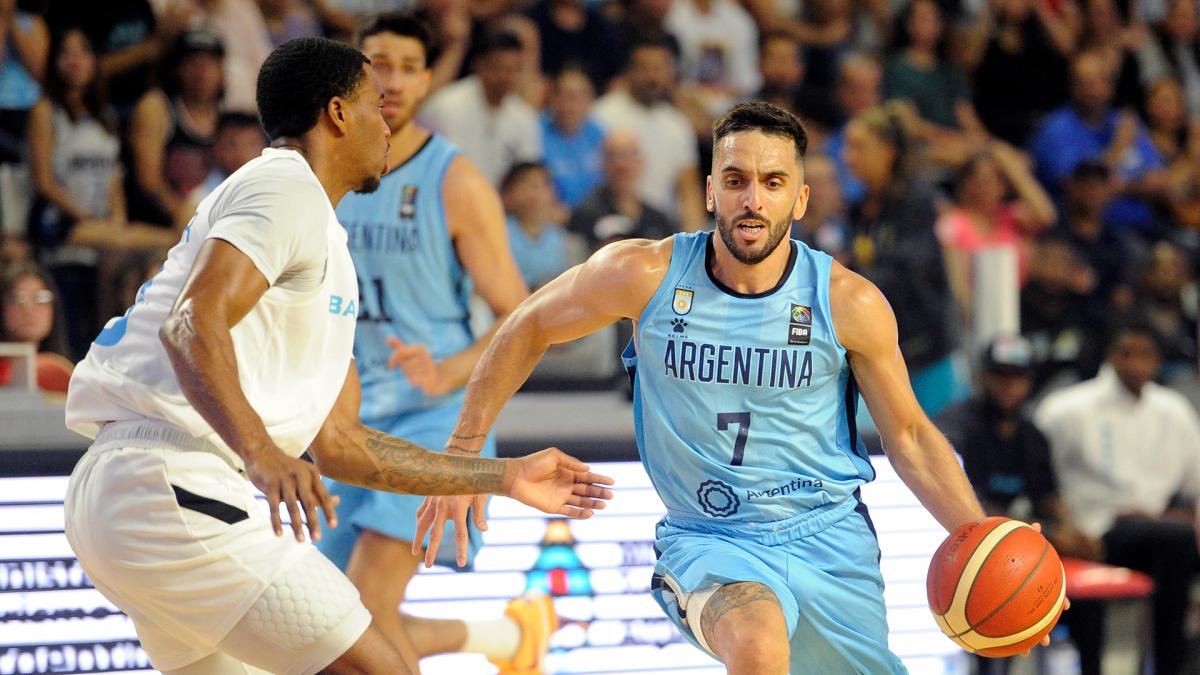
column 178, row 541
column 744, row 624
column 381, row 568
column 310, row 619
column 834, row 578
column 719, row 594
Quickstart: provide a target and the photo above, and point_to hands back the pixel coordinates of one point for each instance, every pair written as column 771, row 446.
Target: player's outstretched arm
column 223, row 286
column 922, row 456
column 615, row 283
column 347, row 450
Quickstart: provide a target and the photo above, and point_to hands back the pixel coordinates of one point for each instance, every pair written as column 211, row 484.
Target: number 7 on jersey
column 742, row 420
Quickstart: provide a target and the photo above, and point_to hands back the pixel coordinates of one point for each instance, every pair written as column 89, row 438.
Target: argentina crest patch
column 682, row 304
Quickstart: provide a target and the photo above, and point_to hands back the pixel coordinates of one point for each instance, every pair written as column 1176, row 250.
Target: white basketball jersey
column 293, row 348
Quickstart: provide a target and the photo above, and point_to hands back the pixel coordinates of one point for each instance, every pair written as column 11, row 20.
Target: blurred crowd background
column 1063, row 135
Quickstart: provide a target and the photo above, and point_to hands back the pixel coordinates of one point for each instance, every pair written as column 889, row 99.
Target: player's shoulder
column 466, row 191
column 274, row 181
column 851, row 293
column 635, row 254
column 633, row 262
column 282, row 172
column 463, row 173
column 862, row 317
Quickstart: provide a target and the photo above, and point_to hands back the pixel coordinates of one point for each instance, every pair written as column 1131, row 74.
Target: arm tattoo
column 401, row 466
column 468, row 437
column 463, row 450
column 728, row 598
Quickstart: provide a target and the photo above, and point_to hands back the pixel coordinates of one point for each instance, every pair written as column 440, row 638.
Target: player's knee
column 750, row 637
column 764, row 653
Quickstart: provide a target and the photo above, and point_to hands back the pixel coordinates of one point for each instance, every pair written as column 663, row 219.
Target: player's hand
column 557, row 483
column 432, row 517
column 293, row 482
column 418, row 365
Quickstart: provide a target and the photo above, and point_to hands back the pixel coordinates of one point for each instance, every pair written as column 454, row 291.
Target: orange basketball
column 996, row 587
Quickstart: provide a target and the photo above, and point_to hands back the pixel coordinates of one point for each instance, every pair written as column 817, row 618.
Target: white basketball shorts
column 175, row 538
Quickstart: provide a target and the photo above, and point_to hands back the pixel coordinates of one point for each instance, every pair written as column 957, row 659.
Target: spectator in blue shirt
column 573, row 143
column 541, row 246
column 1090, row 128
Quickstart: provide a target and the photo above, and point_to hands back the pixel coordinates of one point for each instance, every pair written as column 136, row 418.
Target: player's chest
column 702, row 335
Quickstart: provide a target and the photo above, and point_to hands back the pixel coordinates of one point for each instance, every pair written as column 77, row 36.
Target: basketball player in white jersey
column 233, row 361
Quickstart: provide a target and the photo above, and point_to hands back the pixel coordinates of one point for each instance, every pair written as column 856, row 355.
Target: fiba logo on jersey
column 800, row 325
column 717, row 499
column 801, row 315
column 682, row 304
column 408, row 201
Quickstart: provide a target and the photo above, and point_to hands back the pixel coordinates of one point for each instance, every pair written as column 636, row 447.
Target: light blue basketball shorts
column 822, row 565
column 389, row 513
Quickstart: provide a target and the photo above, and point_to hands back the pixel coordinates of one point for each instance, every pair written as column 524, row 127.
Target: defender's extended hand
column 550, row 481
column 296, row 483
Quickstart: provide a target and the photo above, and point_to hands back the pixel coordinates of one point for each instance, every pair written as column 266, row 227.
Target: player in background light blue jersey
column 433, row 230
column 751, row 351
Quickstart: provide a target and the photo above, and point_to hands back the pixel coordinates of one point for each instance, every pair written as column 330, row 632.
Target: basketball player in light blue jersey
column 434, row 229
column 750, row 351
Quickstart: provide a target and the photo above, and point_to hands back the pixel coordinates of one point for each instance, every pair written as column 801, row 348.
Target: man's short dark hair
column 656, row 40
column 766, row 117
column 1133, row 323
column 498, row 41
column 236, row 120
column 299, row 78
column 518, row 171
column 403, row 24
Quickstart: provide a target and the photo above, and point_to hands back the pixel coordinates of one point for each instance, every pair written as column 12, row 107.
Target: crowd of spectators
column 1066, row 131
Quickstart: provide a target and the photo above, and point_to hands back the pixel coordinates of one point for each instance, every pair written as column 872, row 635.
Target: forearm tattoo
column 404, row 467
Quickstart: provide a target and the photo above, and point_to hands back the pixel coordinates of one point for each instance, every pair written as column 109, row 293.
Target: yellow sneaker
column 534, row 614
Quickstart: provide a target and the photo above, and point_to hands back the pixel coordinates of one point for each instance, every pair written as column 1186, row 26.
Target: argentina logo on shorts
column 717, row 499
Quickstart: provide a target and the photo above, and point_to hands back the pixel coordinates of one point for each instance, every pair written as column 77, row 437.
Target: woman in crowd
column 173, row 129
column 997, row 203
column 73, row 156
column 893, row 245
column 30, row 314
column 920, row 72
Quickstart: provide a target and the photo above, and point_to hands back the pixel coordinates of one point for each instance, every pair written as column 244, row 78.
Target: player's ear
column 709, row 202
column 801, row 203
column 337, row 110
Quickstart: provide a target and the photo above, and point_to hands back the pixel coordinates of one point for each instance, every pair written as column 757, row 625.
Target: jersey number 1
column 742, row 420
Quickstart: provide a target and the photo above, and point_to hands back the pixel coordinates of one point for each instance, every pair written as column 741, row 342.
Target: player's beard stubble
column 371, row 183
column 759, row 251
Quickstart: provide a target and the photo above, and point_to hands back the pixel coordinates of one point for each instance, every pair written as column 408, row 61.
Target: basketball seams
column 956, row 613
column 1016, row 638
column 1025, row 582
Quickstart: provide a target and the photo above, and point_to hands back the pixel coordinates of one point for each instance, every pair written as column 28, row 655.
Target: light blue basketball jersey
column 744, row 405
column 411, row 283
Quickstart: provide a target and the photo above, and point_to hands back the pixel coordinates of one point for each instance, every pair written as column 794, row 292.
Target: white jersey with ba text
column 293, row 348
